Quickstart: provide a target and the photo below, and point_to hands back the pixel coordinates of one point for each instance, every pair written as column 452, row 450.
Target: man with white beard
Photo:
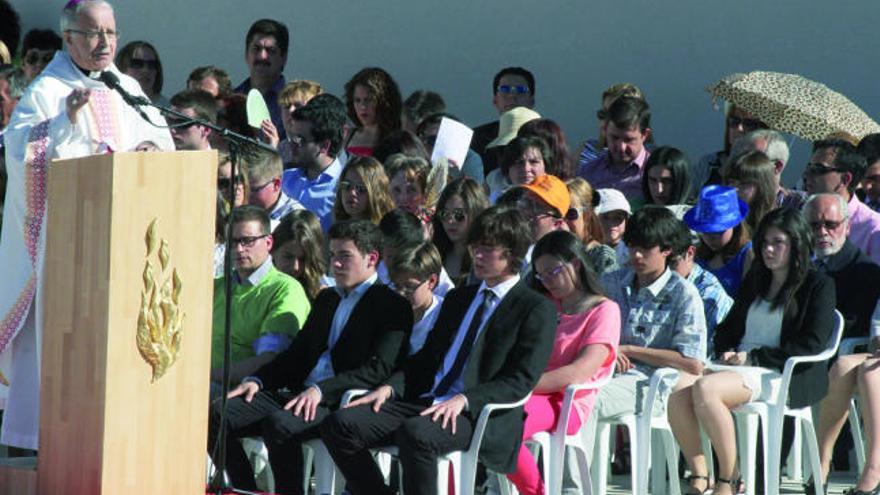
column 65, row 113
column 856, row 276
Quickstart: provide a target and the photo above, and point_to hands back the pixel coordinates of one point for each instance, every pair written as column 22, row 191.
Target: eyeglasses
column 483, row 251
column 257, row 189
column 247, row 241
column 508, row 89
column 548, row 274
column 349, row 186
column 748, row 125
column 829, row 225
column 457, row 214
column 35, row 58
column 223, row 182
column 408, row 290
column 429, row 141
column 820, row 169
column 94, row 35
column 297, row 140
column 139, row 63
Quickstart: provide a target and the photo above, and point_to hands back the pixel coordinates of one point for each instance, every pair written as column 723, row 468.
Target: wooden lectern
column 129, row 245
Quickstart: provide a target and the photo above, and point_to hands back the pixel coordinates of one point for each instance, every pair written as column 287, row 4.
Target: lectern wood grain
column 104, row 427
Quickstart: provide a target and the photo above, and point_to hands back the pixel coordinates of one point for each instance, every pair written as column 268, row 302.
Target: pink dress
column 600, row 325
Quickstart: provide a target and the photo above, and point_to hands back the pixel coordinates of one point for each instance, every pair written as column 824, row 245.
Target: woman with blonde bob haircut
column 362, row 192
column 587, row 228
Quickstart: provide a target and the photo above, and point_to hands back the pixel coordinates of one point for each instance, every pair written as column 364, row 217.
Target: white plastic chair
column 463, row 462
column 847, row 346
column 771, row 415
column 315, row 452
column 552, row 446
column 640, row 428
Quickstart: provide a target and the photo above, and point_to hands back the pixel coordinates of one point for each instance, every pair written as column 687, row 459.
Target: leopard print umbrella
column 794, row 104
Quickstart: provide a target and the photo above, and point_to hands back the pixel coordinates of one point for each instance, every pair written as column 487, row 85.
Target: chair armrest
column 351, row 395
column 488, row 409
column 654, row 385
column 829, row 352
column 568, row 400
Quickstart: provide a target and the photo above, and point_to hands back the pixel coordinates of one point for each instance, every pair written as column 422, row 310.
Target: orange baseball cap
column 552, row 191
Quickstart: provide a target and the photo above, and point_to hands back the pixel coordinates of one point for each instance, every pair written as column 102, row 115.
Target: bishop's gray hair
column 71, row 11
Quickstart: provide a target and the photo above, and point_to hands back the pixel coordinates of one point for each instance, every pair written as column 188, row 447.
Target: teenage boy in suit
column 353, row 338
column 490, row 344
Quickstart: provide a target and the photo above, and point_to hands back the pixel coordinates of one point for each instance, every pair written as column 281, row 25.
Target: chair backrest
column 829, row 352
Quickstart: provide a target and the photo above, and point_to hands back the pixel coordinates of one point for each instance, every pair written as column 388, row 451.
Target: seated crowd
column 441, row 287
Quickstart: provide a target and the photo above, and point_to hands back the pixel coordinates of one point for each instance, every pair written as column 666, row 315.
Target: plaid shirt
column 668, row 314
column 716, row 302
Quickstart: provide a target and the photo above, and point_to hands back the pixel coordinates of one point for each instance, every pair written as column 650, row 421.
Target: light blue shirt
column 317, row 195
column 499, row 291
column 324, row 369
column 283, row 206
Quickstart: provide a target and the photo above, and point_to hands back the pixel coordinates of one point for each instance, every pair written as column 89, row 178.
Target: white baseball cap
column 610, row 200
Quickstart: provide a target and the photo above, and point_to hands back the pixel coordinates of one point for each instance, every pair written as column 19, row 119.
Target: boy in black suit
column 353, row 338
column 490, row 344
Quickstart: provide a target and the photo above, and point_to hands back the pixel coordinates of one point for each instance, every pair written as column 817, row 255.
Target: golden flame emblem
column 160, row 320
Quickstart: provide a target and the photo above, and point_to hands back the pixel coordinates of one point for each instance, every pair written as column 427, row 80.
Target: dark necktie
column 467, row 346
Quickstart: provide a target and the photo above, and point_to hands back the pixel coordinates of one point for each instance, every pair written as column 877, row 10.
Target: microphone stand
column 235, row 141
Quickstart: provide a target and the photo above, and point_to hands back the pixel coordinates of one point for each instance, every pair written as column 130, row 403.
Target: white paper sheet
column 453, row 141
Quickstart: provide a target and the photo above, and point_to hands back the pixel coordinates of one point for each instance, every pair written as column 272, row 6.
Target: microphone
column 112, row 82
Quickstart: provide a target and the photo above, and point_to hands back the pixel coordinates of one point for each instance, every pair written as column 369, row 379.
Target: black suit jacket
column 374, row 341
column 806, row 328
column 505, row 363
column 857, row 281
column 484, row 135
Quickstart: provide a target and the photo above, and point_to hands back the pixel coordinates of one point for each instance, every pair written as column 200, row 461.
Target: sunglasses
column 351, row 186
column 748, row 125
column 139, row 63
column 508, row 89
column 820, row 169
column 457, row 214
column 247, row 241
column 224, row 182
column 35, row 58
column 829, row 225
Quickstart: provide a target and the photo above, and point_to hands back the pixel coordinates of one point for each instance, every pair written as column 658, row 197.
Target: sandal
column 733, row 482
column 696, row 491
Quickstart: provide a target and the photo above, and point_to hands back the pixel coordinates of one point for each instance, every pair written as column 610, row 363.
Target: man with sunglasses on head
column 263, row 171
column 37, row 50
column 66, row 113
column 512, row 87
column 354, row 336
column 195, row 104
column 836, row 167
column 315, row 143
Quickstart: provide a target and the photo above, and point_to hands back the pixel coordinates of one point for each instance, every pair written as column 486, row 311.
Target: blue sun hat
column 718, row 209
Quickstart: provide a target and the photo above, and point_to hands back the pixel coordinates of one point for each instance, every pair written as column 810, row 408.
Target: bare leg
column 686, row 429
column 834, row 408
column 714, row 396
column 869, row 393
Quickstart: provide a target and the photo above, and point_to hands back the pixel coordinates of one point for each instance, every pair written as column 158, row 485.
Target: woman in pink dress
column 587, row 334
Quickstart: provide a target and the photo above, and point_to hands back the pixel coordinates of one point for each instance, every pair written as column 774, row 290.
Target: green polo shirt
column 268, row 302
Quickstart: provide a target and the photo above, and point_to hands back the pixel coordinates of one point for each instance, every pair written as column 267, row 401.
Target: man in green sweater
column 268, row 306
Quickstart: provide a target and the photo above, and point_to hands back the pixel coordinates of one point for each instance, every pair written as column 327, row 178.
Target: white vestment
column 39, row 132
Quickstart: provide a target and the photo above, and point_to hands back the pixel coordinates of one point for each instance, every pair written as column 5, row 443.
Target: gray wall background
column 671, row 49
